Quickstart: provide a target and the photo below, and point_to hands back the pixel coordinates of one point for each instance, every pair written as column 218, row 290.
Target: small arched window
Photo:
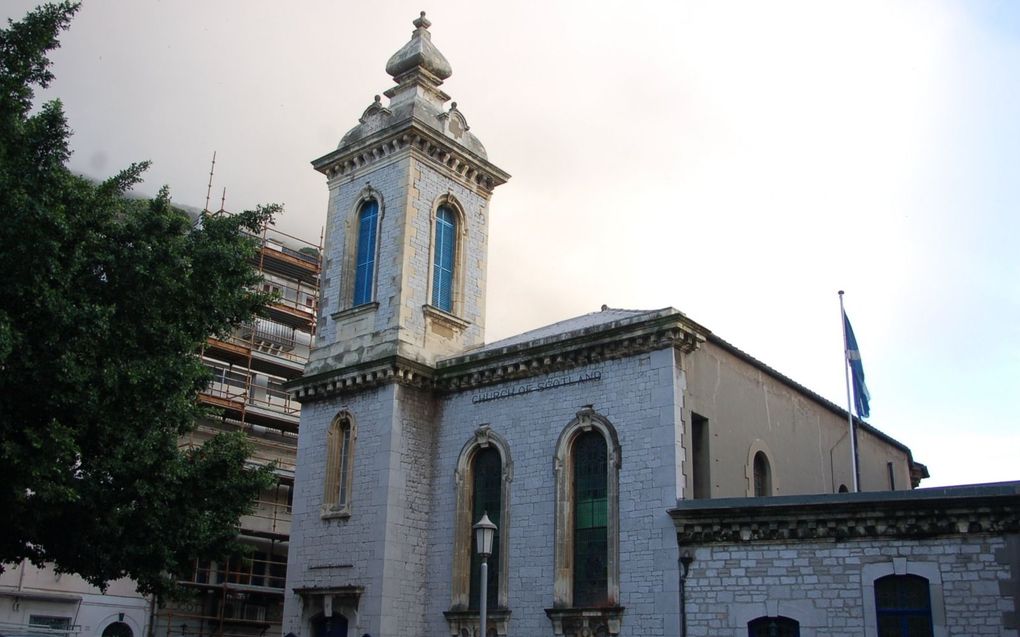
column 487, row 499
column 591, row 520
column 364, row 266
column 903, row 606
column 773, row 627
column 339, row 465
column 443, row 259
column 762, row 475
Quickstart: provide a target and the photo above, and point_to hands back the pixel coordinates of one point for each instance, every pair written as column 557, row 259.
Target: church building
column 577, row 439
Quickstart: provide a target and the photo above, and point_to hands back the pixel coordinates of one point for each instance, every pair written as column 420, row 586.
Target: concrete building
column 576, row 439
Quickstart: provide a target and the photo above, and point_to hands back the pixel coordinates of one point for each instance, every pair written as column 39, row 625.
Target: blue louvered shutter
column 442, row 261
column 368, row 220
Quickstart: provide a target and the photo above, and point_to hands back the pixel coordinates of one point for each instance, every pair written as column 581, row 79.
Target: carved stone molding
column 359, row 378
column 426, row 144
column 487, row 368
column 586, row 622
column 842, row 517
column 465, row 623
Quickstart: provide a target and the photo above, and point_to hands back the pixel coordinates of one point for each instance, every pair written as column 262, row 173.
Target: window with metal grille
column 364, row 268
column 773, row 627
column 590, row 520
column 903, row 606
column 487, row 498
column 442, row 260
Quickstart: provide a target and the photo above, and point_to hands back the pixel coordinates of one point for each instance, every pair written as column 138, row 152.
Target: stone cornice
column 842, row 517
column 536, row 358
column 392, row 369
column 420, row 139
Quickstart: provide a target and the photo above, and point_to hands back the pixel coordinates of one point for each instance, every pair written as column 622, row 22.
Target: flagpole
column 849, row 400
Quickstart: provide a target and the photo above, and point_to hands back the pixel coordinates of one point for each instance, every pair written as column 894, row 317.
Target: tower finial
column 419, row 54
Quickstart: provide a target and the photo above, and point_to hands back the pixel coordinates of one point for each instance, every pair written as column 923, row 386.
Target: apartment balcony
column 264, row 345
column 242, row 398
column 270, row 519
column 259, row 573
column 274, row 256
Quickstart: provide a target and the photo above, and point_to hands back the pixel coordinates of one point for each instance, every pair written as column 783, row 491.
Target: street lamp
column 485, row 530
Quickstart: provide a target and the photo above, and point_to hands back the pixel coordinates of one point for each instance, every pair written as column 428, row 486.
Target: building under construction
column 243, row 595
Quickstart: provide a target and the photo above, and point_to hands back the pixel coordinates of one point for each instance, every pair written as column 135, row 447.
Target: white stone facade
column 423, row 392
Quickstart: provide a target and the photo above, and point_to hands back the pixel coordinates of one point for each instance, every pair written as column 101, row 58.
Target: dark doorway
column 335, row 626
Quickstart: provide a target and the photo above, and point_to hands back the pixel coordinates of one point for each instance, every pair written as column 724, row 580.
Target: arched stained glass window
column 762, row 475
column 590, row 520
column 364, row 267
column 443, row 258
column 487, row 499
column 903, row 606
column 773, row 627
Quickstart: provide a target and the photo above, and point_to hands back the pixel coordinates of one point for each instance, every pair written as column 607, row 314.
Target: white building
column 576, row 438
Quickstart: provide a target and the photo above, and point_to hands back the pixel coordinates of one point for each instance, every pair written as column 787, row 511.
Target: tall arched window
column 586, row 547
column 487, row 499
column 364, row 267
column 762, row 475
column 903, row 606
column 483, row 477
column 591, row 520
column 443, row 258
column 339, row 465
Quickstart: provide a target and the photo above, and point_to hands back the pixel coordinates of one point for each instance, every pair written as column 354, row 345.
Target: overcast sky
column 738, row 161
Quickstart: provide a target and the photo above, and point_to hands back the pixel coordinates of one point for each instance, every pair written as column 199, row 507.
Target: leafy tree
column 103, row 303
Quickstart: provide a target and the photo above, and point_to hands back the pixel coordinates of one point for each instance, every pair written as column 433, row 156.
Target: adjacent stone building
column 576, row 439
column 935, row 562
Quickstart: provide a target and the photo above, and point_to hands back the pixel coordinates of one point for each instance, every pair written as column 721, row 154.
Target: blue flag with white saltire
column 853, row 356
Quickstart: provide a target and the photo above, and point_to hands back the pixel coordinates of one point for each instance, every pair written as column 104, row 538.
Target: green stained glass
column 590, row 520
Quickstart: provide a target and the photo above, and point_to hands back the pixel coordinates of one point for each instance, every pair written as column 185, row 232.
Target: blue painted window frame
column 364, row 266
column 443, row 258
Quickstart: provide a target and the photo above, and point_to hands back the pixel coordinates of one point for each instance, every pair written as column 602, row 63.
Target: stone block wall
column 638, row 395
column 826, row 585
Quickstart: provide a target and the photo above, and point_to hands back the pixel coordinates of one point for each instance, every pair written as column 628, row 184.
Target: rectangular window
column 701, row 476
column 50, row 622
column 892, row 476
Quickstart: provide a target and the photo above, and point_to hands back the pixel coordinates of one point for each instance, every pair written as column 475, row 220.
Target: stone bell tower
column 403, row 286
column 407, row 229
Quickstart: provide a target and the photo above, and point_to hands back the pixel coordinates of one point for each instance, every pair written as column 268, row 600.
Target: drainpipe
column 685, row 565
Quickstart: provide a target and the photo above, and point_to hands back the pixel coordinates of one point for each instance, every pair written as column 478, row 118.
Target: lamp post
column 485, row 530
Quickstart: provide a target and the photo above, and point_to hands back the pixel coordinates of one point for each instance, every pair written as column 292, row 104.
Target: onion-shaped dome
column 419, row 52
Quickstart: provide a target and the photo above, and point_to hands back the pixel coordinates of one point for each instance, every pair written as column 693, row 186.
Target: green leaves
column 104, row 301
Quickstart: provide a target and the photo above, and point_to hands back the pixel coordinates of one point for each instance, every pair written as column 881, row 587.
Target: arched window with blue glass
column 443, row 257
column 364, row 267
